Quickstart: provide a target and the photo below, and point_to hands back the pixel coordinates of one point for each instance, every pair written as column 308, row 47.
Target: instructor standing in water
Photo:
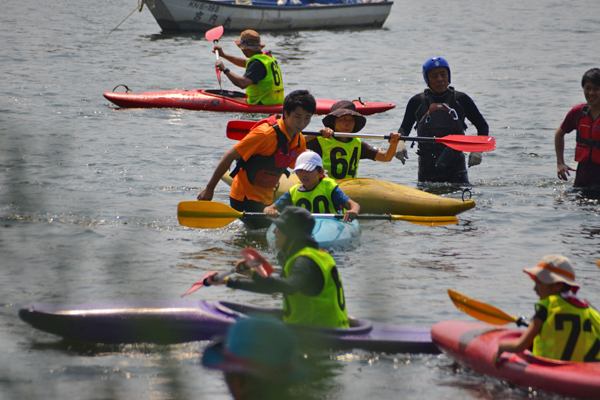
column 262, row 79
column 440, row 111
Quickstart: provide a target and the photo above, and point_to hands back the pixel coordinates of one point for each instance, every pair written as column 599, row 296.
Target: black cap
column 295, row 223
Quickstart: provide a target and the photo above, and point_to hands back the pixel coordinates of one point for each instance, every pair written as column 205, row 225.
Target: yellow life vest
column 317, row 200
column 326, row 309
column 570, row 333
column 268, row 90
column 340, row 159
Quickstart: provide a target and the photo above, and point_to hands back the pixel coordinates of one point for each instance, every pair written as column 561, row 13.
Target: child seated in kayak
column 564, row 327
column 311, row 285
column 341, row 155
column 315, row 192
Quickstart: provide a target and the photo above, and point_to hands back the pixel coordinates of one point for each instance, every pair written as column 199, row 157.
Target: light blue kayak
column 330, row 234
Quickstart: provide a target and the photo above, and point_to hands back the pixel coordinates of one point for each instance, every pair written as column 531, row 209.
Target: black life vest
column 439, row 119
column 265, row 171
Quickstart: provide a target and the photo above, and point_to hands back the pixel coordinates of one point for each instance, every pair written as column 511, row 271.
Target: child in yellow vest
column 315, row 192
column 564, row 327
column 341, row 155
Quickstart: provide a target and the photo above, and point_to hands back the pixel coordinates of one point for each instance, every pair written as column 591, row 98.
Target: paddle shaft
column 214, row 35
column 237, row 130
column 228, row 216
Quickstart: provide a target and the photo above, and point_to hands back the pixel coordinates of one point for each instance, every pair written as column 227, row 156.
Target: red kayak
column 472, row 344
column 222, row 101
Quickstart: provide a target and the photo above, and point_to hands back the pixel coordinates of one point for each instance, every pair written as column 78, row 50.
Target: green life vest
column 270, row 89
column 329, row 307
column 317, row 200
column 340, row 159
column 570, row 333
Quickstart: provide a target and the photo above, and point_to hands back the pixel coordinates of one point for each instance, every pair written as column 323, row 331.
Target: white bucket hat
column 552, row 269
column 308, row 161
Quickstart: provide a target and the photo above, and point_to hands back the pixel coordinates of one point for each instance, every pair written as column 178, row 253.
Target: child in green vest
column 564, row 327
column 341, row 155
column 315, row 192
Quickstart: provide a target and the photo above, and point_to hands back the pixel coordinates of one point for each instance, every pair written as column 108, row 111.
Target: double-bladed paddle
column 214, row 35
column 253, row 259
column 237, row 130
column 212, row 214
column 482, row 311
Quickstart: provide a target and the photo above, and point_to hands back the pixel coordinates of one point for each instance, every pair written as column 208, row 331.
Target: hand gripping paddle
column 253, row 259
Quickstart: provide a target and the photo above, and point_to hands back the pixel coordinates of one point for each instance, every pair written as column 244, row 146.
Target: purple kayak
column 180, row 321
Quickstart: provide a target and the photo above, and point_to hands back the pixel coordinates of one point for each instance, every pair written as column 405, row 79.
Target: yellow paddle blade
column 481, row 311
column 431, row 221
column 206, row 214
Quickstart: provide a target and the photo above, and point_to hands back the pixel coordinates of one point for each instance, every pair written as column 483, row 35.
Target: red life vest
column 265, row 171
column 588, row 138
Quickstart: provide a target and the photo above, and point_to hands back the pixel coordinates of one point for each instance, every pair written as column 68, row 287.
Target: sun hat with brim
column 552, row 269
column 261, row 347
column 308, row 161
column 295, row 223
column 342, row 108
column 249, row 40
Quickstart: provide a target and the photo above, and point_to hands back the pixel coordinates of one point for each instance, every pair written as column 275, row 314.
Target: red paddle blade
column 237, row 130
column 468, row 143
column 198, row 284
column 219, row 77
column 214, row 33
column 255, row 260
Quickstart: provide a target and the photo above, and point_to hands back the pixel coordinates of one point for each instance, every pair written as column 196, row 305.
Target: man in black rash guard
column 429, row 116
column 310, row 282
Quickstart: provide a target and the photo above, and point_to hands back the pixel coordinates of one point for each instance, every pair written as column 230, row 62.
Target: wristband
column 225, row 71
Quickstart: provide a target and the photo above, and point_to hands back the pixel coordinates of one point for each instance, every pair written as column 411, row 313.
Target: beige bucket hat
column 552, row 269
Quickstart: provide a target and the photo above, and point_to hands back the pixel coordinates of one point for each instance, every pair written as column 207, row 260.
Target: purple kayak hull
column 180, row 321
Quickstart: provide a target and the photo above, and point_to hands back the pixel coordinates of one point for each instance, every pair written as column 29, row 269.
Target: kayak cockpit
column 230, row 94
column 357, row 326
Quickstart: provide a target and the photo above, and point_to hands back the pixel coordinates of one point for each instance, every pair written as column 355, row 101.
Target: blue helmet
column 433, row 63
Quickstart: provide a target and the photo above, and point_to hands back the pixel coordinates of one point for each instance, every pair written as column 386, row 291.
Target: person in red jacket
column 584, row 119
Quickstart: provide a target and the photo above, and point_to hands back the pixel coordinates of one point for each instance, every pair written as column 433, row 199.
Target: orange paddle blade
column 481, row 311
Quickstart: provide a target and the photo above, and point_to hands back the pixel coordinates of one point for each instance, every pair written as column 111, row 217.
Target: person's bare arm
column 230, row 156
column 353, row 210
column 562, row 169
column 389, row 154
column 521, row 343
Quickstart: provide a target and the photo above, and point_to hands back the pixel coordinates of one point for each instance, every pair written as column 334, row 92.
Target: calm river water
column 88, row 193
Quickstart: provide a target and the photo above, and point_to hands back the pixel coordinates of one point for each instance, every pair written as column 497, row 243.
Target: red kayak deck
column 221, row 101
column 473, row 344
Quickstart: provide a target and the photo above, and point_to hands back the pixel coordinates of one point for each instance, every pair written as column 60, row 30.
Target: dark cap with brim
column 295, row 223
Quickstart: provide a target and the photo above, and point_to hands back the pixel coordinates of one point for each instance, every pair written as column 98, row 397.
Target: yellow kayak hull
column 380, row 197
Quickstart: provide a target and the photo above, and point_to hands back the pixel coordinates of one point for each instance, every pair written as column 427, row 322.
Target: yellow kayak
column 380, row 197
